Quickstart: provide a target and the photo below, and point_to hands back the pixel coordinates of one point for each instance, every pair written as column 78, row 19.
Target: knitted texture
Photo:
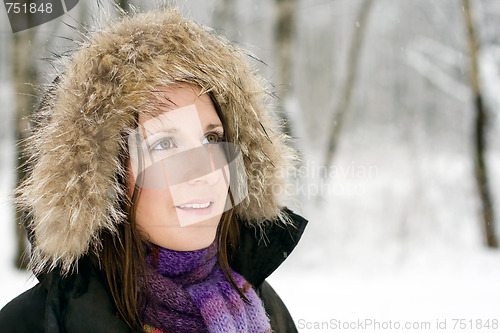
column 187, row 292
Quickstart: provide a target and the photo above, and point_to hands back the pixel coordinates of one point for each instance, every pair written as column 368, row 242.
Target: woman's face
column 183, row 194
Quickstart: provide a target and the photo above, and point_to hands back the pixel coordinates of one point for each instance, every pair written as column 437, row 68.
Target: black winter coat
column 81, row 302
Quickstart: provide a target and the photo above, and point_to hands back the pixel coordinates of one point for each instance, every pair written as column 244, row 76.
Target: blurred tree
column 343, row 105
column 480, row 166
column 23, row 71
column 284, row 33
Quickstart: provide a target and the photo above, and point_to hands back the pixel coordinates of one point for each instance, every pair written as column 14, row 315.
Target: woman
column 154, row 193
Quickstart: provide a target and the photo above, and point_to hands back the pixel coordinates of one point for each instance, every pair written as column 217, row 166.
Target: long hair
column 123, row 253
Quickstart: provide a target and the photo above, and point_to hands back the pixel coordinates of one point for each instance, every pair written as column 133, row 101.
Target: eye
column 163, row 144
column 211, row 138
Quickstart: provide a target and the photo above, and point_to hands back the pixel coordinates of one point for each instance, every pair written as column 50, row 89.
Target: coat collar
column 261, row 252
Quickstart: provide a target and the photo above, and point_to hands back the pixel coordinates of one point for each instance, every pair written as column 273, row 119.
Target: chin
column 198, row 238
column 189, row 238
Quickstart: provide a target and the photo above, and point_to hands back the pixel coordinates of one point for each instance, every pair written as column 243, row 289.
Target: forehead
column 178, row 98
column 182, row 119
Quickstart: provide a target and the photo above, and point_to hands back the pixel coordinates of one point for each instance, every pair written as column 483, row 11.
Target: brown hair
column 123, row 253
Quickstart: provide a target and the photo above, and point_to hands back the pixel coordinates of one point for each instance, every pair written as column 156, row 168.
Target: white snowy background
column 394, row 231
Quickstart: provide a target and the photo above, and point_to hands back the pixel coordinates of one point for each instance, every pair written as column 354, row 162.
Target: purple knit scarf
column 189, row 293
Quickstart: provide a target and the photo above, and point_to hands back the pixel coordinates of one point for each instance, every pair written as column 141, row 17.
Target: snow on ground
column 427, row 289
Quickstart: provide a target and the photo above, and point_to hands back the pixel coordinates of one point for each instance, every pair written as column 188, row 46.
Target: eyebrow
column 171, row 130
column 212, row 126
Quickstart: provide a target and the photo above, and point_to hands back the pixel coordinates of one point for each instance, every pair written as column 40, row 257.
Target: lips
column 200, row 206
column 196, row 206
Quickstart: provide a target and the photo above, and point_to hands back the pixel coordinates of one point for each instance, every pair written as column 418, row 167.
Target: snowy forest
column 394, row 108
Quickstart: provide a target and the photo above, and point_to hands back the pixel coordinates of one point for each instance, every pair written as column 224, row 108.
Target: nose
column 210, row 179
column 206, row 168
column 202, row 164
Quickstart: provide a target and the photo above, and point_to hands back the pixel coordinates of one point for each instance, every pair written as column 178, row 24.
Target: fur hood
column 72, row 191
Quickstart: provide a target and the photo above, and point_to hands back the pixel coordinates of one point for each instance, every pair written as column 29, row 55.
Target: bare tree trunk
column 23, row 74
column 480, row 167
column 284, row 33
column 352, row 69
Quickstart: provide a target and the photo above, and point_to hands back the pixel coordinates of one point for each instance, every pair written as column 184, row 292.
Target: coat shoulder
column 281, row 320
column 26, row 312
column 261, row 252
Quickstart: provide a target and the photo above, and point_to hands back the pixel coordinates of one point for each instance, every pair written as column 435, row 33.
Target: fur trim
column 72, row 192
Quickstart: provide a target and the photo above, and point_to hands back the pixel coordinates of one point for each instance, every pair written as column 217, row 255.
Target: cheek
column 154, row 202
